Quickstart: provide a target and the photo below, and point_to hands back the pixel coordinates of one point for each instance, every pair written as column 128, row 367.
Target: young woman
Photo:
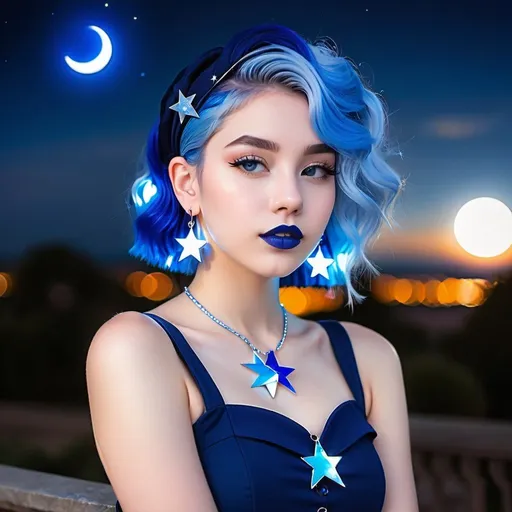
column 266, row 169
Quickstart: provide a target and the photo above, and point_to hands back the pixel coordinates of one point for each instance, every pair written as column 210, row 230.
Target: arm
column 141, row 423
column 380, row 368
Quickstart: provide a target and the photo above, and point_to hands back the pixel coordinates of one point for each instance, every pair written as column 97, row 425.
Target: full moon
column 483, row 227
column 98, row 63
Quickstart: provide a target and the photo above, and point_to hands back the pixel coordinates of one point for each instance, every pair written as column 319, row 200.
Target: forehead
column 280, row 116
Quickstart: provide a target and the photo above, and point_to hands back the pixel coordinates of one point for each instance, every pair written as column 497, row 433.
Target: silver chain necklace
column 236, row 333
column 270, row 373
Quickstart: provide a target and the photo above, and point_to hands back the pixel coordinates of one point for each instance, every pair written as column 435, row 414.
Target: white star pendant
column 191, row 246
column 320, row 264
column 184, row 106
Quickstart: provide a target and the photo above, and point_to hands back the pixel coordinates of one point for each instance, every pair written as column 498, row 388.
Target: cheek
column 226, row 203
column 331, row 203
column 226, row 193
column 323, row 203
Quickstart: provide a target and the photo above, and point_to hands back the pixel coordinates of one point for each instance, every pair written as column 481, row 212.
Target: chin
column 276, row 268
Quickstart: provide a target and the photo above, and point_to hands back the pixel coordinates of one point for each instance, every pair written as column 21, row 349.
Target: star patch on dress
column 184, row 106
column 270, row 374
column 323, row 465
column 320, row 264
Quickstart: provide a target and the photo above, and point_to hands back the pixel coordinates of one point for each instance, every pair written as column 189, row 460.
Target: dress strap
column 344, row 352
column 209, row 390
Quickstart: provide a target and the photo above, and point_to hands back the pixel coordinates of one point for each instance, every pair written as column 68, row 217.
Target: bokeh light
column 386, row 289
column 5, row 284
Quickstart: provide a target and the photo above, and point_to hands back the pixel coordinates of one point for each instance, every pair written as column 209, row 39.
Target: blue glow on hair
column 344, row 113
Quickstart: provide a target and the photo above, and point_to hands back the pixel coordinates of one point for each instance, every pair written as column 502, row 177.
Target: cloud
column 458, row 127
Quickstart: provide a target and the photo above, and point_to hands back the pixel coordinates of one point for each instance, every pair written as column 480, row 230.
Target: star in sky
column 191, row 246
column 184, row 106
column 320, row 264
column 323, row 465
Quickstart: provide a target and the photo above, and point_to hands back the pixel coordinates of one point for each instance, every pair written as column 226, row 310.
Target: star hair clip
column 184, row 106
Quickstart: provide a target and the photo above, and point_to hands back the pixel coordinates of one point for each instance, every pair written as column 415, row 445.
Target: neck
column 247, row 303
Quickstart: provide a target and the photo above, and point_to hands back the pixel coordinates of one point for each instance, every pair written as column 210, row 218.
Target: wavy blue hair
column 344, row 113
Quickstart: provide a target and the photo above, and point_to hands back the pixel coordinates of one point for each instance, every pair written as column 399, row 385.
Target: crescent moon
column 98, row 63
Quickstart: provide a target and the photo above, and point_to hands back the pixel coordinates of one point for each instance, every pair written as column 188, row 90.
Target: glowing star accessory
column 266, row 376
column 191, row 244
column 320, row 264
column 184, row 106
column 197, row 78
column 270, row 373
column 282, row 371
column 323, row 465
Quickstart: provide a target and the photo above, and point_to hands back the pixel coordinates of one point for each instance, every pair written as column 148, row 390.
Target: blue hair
column 344, row 113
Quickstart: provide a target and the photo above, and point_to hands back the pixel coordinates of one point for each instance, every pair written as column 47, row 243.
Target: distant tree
column 61, row 297
column 485, row 346
column 436, row 385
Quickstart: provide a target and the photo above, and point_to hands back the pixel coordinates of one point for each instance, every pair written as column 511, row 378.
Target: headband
column 194, row 83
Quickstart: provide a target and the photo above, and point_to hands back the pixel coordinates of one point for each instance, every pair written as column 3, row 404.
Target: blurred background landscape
column 69, row 152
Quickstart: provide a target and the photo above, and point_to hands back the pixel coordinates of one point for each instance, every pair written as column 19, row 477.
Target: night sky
column 69, row 143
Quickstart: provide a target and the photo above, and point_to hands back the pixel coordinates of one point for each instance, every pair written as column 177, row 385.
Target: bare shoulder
column 131, row 335
column 370, row 346
column 377, row 359
column 130, row 343
column 139, row 410
column 127, row 328
column 128, row 349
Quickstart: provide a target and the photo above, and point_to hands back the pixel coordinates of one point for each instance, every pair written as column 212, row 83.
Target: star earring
column 191, row 244
column 320, row 263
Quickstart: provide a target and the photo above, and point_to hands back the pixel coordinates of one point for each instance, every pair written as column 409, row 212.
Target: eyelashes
column 327, row 168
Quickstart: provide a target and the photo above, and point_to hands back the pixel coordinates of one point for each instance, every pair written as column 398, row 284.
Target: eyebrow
column 269, row 145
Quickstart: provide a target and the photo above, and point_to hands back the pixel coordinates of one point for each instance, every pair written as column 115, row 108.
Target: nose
column 286, row 195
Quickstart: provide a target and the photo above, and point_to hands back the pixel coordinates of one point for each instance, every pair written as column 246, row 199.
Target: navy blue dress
column 252, row 456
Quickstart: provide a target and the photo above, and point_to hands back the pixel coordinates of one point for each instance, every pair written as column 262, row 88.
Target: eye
column 248, row 164
column 320, row 170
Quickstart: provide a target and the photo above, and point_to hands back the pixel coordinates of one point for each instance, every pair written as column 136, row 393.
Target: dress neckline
column 264, row 410
column 212, row 397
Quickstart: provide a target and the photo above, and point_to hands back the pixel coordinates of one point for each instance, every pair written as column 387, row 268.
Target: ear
column 184, row 182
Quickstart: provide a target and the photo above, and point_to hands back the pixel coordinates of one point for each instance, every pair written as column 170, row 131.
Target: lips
column 283, row 229
column 283, row 237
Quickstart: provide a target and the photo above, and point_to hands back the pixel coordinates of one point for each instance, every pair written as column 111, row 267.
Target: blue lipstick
column 283, row 237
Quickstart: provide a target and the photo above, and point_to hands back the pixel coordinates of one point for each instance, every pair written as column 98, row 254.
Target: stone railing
column 460, row 465
column 22, row 490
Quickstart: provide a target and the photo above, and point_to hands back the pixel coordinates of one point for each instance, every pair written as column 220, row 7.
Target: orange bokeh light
column 294, row 300
column 5, row 284
column 133, row 283
column 156, row 286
